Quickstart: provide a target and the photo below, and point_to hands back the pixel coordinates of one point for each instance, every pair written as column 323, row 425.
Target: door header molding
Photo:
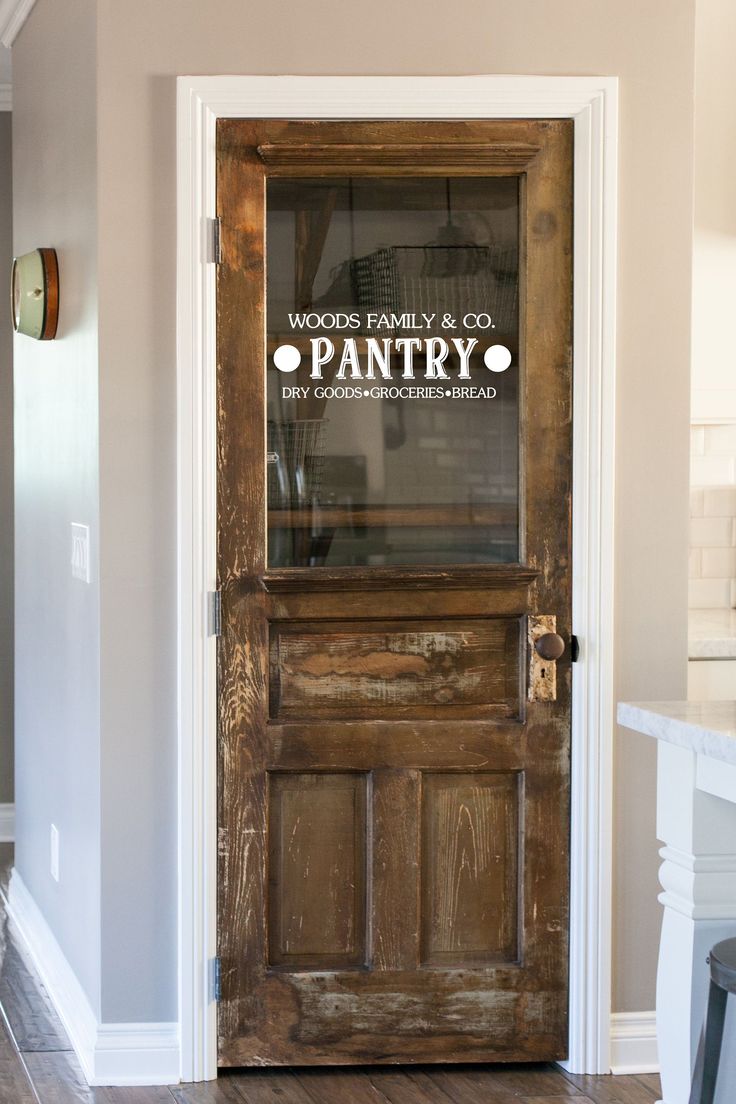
column 292, row 158
column 593, row 103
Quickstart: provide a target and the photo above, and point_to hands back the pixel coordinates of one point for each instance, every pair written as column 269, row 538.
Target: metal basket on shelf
column 440, row 279
column 296, row 461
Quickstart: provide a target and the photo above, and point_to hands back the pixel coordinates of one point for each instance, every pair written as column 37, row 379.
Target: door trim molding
column 593, row 103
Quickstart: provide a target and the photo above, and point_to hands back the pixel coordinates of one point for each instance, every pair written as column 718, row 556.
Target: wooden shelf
column 358, row 517
column 490, row 576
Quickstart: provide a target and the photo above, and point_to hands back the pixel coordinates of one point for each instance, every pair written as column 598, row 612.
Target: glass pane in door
column 392, row 371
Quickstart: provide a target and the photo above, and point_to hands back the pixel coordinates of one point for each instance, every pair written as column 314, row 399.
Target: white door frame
column 592, row 103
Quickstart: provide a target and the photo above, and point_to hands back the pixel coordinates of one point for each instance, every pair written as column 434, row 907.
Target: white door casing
column 592, row 102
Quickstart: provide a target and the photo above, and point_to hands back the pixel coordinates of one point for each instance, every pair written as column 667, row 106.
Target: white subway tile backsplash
column 719, row 502
column 710, row 471
column 718, row 563
column 720, row 439
column 697, row 440
column 712, row 561
column 709, row 593
column 711, row 532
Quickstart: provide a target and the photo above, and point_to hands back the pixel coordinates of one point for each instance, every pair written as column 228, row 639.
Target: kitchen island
column 696, row 821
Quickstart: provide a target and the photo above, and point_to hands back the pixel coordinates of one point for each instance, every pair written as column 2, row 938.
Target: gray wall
column 6, row 465
column 56, row 482
column 141, row 47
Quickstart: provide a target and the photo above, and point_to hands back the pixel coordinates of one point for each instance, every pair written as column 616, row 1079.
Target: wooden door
column 394, row 537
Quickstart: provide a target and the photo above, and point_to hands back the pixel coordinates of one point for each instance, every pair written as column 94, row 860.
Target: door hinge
column 215, row 980
column 214, row 613
column 574, row 648
column 214, row 240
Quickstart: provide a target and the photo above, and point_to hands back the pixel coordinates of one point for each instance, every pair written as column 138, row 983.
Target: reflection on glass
column 392, row 430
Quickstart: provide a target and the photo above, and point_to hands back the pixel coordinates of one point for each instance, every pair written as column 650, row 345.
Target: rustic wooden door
column 394, row 393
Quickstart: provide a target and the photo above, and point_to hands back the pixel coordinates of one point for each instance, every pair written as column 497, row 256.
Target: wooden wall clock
column 35, row 294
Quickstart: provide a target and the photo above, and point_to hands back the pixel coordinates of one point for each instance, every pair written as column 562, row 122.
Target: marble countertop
column 708, row 728
column 712, row 634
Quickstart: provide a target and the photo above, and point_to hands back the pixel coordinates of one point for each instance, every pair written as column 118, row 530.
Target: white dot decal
column 287, row 358
column 497, row 358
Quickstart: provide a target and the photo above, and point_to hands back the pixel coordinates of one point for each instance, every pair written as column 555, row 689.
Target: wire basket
column 440, row 279
column 296, row 462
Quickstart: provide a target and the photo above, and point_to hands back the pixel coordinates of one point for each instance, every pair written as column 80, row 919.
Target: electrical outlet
column 80, row 552
column 54, row 852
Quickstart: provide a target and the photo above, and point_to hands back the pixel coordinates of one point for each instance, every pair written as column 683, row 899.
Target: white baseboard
column 7, row 823
column 109, row 1053
column 634, row 1042
column 148, row 1053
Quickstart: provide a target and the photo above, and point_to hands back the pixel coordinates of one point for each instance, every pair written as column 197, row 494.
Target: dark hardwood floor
column 38, row 1066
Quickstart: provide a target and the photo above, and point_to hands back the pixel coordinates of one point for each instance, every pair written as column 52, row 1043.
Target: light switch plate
column 80, row 552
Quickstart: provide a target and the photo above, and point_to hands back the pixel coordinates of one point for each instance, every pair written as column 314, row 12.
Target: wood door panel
column 387, row 1017
column 470, row 868
column 317, row 884
column 393, row 810
column 422, row 745
column 395, row 669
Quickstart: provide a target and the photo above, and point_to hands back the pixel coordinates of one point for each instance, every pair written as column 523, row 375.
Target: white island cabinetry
column 696, row 822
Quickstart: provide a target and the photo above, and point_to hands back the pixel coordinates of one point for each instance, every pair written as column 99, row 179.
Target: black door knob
column 549, row 646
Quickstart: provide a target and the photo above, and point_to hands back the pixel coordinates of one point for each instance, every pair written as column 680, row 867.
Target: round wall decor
column 35, row 294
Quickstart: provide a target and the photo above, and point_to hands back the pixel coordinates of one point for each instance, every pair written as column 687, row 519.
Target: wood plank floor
column 38, row 1066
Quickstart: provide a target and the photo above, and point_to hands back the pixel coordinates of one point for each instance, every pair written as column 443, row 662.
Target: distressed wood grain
column 439, row 935
column 242, row 662
column 395, row 872
column 426, row 159
column 470, row 868
column 317, row 870
column 395, row 669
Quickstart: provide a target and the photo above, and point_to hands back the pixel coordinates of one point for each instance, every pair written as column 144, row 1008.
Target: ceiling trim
column 6, row 97
column 13, row 14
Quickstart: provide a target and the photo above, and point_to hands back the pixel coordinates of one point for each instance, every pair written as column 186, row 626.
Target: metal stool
column 722, row 961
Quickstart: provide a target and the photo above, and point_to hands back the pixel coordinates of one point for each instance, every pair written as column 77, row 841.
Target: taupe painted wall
column 141, row 49
column 6, row 465
column 56, row 483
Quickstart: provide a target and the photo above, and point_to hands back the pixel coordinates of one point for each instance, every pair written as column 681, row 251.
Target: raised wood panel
column 385, row 1017
column 396, row 669
column 317, row 870
column 470, row 868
